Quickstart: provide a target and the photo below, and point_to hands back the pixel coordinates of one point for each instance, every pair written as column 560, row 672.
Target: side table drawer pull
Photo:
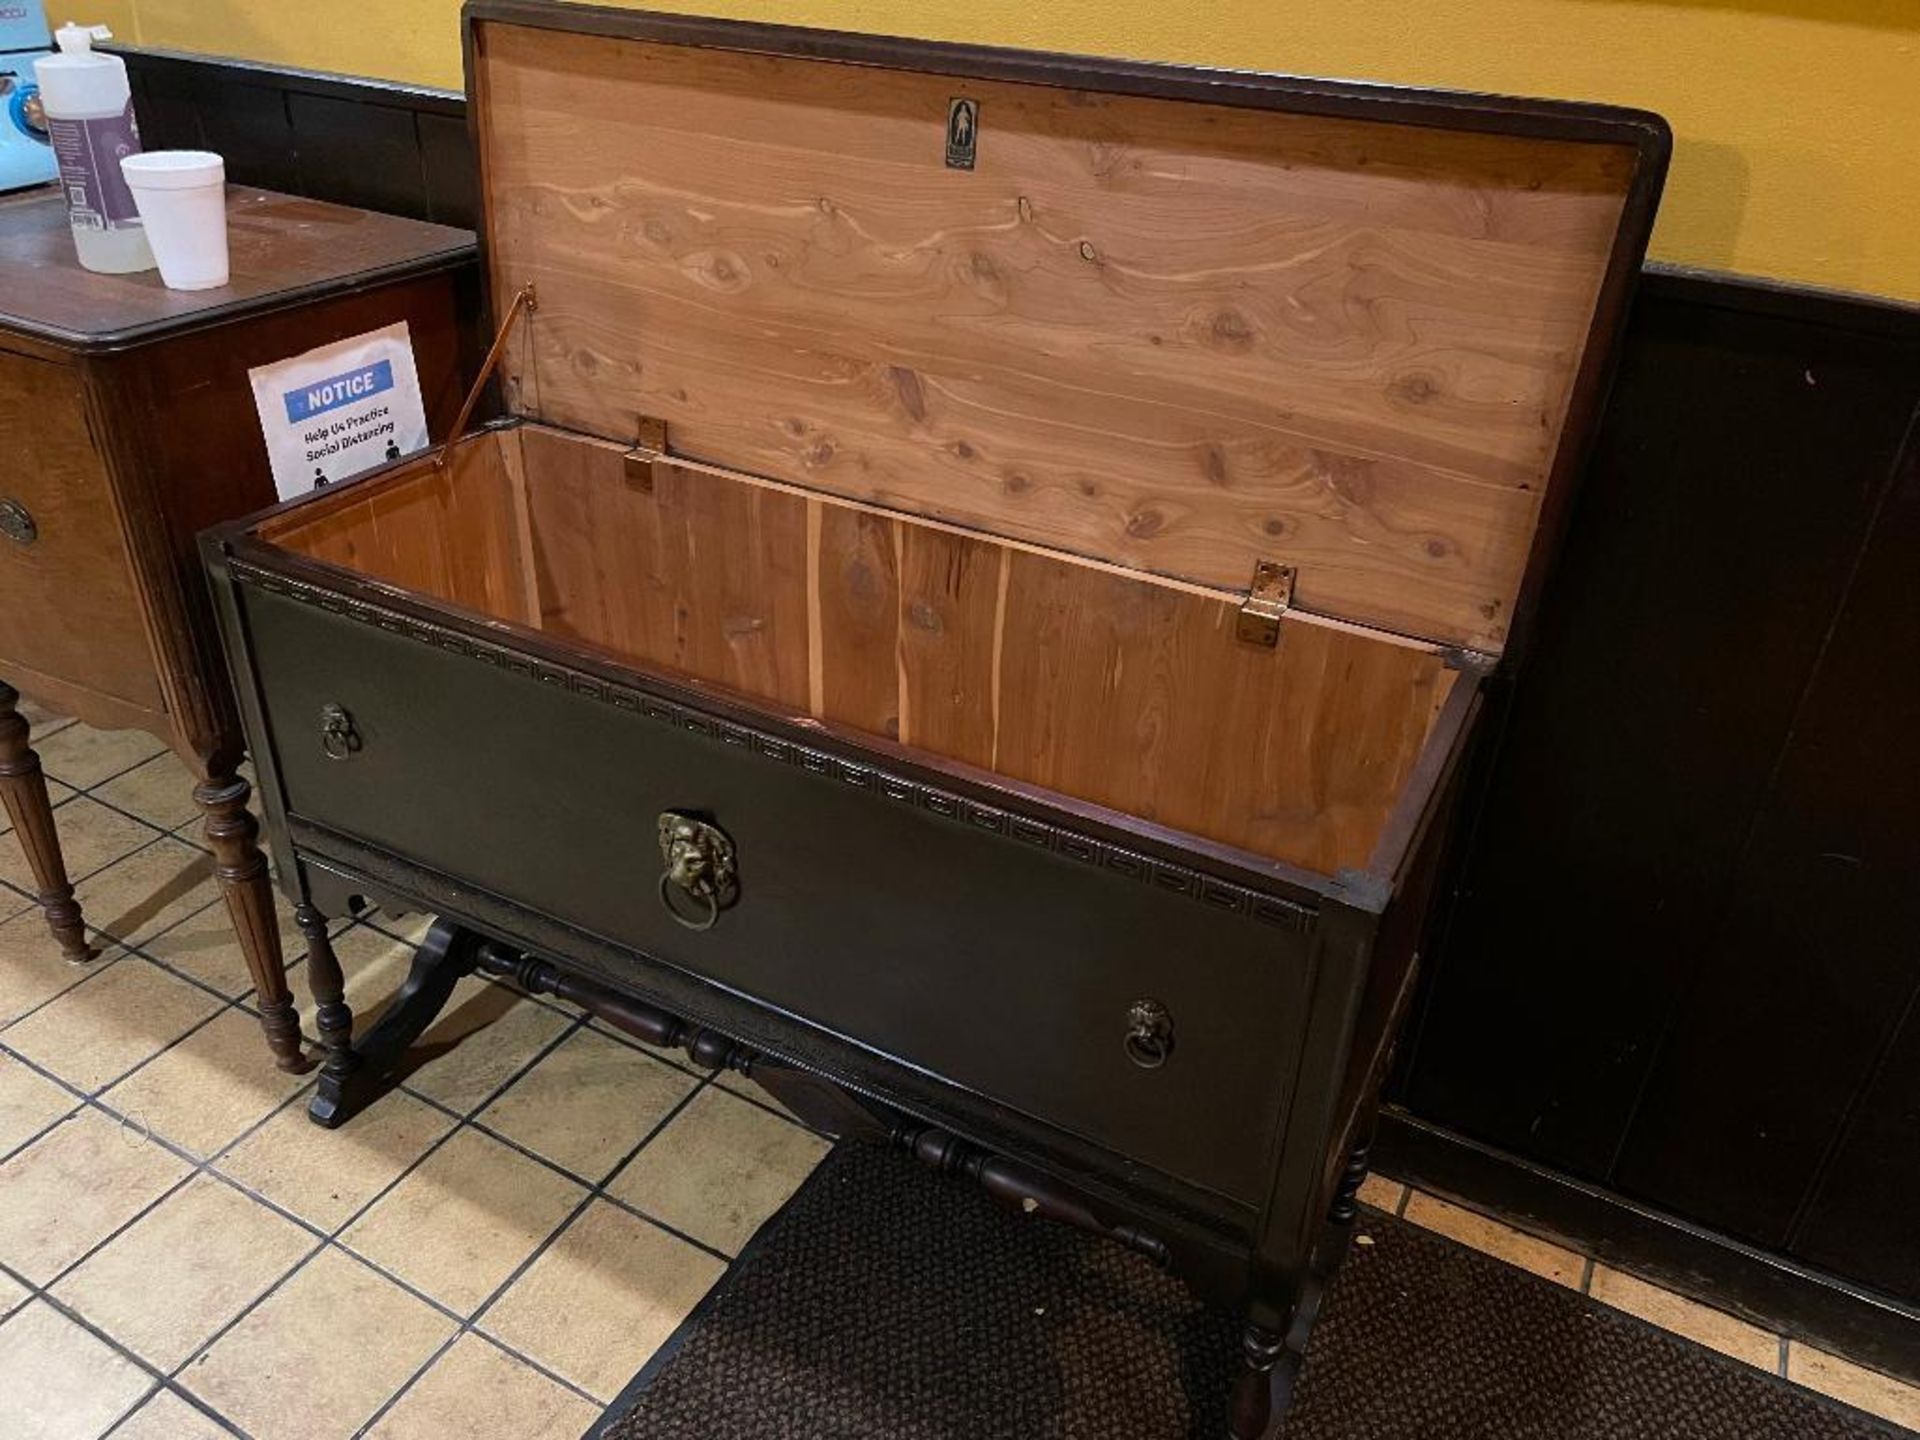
column 1149, row 1034
column 338, row 737
column 16, row 523
column 699, row 866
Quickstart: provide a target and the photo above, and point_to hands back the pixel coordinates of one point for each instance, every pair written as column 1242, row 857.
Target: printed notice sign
column 341, row 409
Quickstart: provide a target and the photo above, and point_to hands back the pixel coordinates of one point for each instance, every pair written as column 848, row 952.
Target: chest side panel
column 996, row 958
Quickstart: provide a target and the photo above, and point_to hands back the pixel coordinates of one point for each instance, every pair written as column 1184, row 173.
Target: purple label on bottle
column 89, row 154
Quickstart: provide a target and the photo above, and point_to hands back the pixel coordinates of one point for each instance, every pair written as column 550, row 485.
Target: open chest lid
column 1200, row 324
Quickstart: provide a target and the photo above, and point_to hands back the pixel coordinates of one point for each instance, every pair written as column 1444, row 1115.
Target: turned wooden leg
column 351, row 1082
column 24, row 789
column 1252, row 1416
column 1346, row 1196
column 333, row 1017
column 242, row 872
column 1270, row 1358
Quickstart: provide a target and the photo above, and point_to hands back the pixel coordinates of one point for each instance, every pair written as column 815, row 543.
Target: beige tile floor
column 494, row 1248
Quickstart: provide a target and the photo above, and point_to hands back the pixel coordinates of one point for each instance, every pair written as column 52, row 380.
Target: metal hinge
column 649, row 447
column 1267, row 600
column 1471, row 662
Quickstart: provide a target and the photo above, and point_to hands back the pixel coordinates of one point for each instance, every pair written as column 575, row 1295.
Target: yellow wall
column 1797, row 122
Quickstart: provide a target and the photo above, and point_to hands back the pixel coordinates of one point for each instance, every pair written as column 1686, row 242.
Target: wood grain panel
column 707, row 579
column 854, row 581
column 1114, row 688
column 68, row 606
column 1142, row 696
column 952, row 623
column 1177, row 336
column 454, row 533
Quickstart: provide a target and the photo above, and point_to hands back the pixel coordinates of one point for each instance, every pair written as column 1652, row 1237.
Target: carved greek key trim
column 959, row 809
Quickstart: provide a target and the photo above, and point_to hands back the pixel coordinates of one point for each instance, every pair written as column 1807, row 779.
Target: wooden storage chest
column 978, row 608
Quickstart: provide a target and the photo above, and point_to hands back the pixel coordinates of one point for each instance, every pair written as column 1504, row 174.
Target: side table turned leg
column 24, row 789
column 242, row 871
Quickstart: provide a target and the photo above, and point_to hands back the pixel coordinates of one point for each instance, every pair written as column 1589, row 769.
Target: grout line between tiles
column 461, row 1326
column 460, row 1122
column 194, row 1029
column 132, row 1410
column 475, row 1123
column 326, row 1238
column 145, row 845
column 201, row 1166
column 221, row 1332
column 123, row 811
column 1591, row 1265
column 180, row 1039
column 78, row 880
column 82, row 973
column 330, row 1240
column 195, row 980
column 145, row 1210
column 471, row 1322
column 198, row 1165
column 773, row 1110
column 186, row 1397
column 179, row 974
column 162, row 1381
column 109, row 779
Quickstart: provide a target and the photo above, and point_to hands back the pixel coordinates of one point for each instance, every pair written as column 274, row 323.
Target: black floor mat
column 888, row 1303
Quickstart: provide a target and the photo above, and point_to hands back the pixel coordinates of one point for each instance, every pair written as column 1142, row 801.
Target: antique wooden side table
column 129, row 426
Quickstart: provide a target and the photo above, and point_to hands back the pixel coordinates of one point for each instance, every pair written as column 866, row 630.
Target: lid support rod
column 524, row 299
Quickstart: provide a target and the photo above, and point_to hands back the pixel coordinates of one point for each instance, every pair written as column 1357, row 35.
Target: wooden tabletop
column 283, row 249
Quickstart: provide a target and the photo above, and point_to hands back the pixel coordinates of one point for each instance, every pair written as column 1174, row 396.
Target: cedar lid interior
column 1183, row 332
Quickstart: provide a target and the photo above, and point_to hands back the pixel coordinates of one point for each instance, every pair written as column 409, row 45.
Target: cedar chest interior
column 1124, row 690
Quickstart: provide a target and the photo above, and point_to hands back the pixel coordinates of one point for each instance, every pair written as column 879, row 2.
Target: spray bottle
column 89, row 109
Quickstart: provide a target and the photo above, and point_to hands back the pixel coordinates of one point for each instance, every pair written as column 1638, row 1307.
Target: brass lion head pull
column 1149, row 1034
column 699, row 863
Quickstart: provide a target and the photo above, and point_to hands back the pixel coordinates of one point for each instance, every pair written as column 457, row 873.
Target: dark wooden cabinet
column 129, row 426
column 976, row 629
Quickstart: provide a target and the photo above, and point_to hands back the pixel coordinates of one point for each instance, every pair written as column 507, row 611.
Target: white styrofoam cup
column 182, row 199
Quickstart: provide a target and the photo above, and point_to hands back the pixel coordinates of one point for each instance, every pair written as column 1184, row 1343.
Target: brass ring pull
column 712, row 902
column 699, row 862
column 1149, row 1034
column 338, row 737
column 16, row 523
